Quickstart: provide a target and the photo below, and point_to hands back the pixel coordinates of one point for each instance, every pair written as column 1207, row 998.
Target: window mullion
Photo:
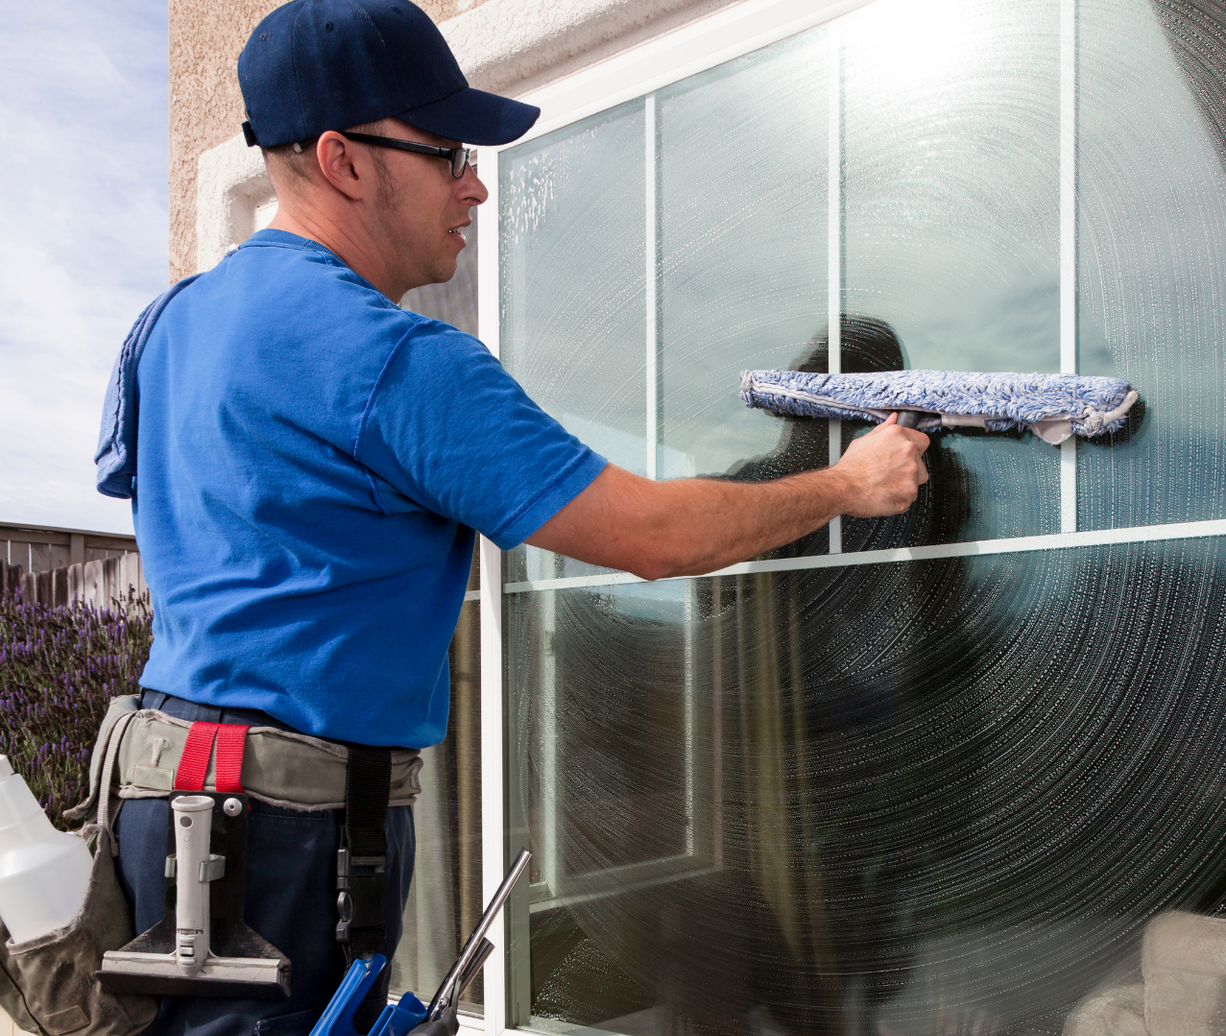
column 493, row 790
column 654, row 310
column 1068, row 246
column 834, row 250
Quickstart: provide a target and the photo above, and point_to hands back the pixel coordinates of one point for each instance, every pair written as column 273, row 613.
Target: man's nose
column 474, row 191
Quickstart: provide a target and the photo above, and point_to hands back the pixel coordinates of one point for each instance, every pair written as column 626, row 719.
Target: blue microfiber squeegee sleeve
column 1053, row 406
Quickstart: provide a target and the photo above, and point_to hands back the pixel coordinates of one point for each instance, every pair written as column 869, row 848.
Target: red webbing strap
column 231, row 739
column 195, row 761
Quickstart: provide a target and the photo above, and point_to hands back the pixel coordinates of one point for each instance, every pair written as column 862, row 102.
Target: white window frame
column 638, row 73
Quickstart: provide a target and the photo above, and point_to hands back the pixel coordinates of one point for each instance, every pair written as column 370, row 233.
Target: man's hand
column 885, row 469
column 695, row 525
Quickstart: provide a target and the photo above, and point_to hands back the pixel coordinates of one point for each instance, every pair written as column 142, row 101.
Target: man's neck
column 337, row 236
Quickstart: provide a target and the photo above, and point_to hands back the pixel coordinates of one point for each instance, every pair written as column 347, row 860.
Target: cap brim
column 473, row 117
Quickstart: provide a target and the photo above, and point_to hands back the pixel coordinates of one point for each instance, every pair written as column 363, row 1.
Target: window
column 940, row 773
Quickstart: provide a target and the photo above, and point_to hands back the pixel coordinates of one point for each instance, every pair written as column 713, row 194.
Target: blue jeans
column 290, row 901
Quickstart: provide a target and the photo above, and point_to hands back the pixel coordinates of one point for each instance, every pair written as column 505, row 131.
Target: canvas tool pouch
column 47, row 985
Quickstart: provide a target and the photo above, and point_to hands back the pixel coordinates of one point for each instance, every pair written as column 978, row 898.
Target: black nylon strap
column 367, row 790
column 363, row 854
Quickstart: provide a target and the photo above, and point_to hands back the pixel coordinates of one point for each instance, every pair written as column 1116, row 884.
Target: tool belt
column 158, row 754
column 280, row 767
column 49, row 985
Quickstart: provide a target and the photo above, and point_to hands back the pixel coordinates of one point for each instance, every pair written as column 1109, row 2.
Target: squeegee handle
column 449, row 992
column 475, row 965
column 908, row 418
column 193, row 823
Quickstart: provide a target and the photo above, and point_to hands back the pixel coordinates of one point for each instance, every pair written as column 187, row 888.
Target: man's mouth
column 458, row 232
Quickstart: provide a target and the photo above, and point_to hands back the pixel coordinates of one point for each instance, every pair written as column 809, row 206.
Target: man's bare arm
column 694, row 525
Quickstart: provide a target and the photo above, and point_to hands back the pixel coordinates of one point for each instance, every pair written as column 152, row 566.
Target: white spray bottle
column 44, row 873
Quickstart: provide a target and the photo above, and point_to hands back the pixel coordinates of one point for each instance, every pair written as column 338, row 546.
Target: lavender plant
column 59, row 667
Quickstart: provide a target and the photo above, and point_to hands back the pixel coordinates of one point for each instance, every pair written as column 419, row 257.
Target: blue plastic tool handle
column 337, row 1019
column 401, row 1018
column 396, row 1020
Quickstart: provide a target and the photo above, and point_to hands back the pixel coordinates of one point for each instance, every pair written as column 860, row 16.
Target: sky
column 83, row 238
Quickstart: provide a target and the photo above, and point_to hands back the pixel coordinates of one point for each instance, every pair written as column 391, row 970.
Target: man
column 313, row 461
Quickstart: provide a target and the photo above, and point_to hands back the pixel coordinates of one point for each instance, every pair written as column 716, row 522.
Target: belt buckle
column 360, row 892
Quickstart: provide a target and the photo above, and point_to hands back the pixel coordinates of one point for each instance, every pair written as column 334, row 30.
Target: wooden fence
column 100, row 583
column 42, row 548
column 113, row 574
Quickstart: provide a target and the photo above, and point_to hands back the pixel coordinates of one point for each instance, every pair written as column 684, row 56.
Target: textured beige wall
column 206, row 107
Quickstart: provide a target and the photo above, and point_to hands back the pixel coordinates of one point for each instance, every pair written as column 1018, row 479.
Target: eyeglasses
column 459, row 157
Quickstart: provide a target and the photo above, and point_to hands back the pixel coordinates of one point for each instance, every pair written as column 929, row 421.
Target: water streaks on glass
column 573, row 289
column 926, row 798
column 1152, row 272
column 743, row 240
column 975, row 794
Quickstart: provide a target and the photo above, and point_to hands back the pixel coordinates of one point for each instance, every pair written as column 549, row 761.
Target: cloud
column 83, row 237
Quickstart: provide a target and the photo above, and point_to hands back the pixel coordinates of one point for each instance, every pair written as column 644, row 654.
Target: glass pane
column 743, row 242
column 619, row 760
column 445, row 900
column 613, row 766
column 969, row 795
column 1152, row 270
column 573, row 207
column 951, row 177
column 954, row 796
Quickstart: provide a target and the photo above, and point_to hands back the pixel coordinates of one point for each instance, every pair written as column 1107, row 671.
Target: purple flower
column 59, row 667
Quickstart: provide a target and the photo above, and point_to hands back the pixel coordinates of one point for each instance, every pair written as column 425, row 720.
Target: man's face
column 423, row 208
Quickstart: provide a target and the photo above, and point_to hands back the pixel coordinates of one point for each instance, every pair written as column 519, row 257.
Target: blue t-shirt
column 312, row 462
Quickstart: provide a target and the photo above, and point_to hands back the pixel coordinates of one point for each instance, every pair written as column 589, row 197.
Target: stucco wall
column 206, row 107
column 509, row 46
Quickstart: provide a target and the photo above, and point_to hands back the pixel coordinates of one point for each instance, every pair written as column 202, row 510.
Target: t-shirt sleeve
column 454, row 432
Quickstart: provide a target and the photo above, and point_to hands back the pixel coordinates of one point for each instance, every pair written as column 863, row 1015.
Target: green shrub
column 59, row 667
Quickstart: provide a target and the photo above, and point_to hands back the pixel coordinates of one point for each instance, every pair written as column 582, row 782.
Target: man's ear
column 344, row 165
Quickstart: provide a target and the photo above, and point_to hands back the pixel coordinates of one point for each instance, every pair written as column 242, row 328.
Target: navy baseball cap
column 317, row 65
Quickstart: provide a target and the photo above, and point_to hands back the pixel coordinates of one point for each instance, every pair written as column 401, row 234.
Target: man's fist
column 883, row 470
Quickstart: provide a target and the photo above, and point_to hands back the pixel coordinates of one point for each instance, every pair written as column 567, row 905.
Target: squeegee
column 409, row 1015
column 202, row 946
column 1053, row 406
